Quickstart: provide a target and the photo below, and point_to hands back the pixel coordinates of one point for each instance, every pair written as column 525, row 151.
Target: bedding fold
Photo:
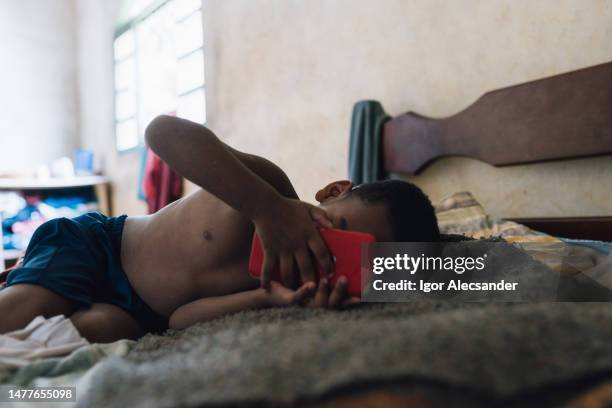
column 41, row 338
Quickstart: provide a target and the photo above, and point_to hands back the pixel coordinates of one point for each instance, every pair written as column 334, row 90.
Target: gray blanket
column 280, row 355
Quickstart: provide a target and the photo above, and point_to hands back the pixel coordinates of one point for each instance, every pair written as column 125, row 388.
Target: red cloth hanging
column 160, row 183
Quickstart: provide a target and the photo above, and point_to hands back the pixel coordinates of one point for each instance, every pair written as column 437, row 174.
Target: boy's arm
column 213, row 307
column 268, row 171
column 196, row 152
column 284, row 225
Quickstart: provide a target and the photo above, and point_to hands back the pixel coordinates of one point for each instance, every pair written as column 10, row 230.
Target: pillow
column 460, row 213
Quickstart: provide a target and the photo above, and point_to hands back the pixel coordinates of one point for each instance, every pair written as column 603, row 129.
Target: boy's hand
column 278, row 295
column 289, row 234
column 337, row 299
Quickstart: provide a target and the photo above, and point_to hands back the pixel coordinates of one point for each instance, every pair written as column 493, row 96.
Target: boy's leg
column 105, row 323
column 20, row 303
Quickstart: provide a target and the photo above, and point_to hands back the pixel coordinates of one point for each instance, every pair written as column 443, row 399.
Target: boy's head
column 391, row 210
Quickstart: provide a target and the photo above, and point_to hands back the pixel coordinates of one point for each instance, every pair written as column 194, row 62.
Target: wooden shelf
column 7, row 183
column 11, row 254
column 99, row 184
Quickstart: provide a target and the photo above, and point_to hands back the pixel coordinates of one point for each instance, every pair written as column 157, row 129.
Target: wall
column 282, row 77
column 95, row 58
column 37, row 83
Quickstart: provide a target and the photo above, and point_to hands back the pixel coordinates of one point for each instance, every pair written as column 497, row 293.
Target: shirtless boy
column 124, row 276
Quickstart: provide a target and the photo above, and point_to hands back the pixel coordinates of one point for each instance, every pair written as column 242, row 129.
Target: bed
column 413, row 354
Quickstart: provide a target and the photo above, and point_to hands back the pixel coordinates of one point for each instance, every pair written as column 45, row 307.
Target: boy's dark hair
column 411, row 214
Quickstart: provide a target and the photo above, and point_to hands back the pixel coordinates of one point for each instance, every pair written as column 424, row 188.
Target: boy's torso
column 196, row 247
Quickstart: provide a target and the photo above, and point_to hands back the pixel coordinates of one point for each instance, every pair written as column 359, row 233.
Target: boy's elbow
column 175, row 322
column 172, row 324
column 157, row 131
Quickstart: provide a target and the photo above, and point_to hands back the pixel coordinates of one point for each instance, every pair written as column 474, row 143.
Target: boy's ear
column 334, row 189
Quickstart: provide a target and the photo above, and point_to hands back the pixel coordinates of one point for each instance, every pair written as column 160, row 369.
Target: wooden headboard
column 561, row 117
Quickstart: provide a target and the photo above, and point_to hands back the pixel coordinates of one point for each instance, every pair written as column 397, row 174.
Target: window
column 159, row 66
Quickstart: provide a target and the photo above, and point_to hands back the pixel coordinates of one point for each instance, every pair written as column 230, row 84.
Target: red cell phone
column 344, row 246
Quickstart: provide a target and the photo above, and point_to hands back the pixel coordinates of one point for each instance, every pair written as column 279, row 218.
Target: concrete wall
column 282, row 77
column 96, row 22
column 38, row 105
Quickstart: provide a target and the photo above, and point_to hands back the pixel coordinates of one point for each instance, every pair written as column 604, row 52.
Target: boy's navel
column 207, row 235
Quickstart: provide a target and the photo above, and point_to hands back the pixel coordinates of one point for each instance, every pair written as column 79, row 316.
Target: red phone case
column 345, row 247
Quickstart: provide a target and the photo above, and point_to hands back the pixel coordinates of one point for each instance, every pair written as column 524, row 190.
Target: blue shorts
column 80, row 259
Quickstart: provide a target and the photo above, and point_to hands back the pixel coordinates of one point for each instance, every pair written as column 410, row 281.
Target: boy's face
column 348, row 212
